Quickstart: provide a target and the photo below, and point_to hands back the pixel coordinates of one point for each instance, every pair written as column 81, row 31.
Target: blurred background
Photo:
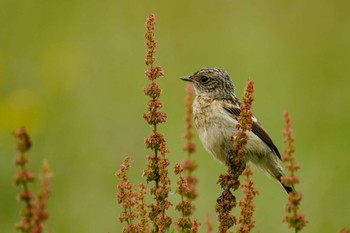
column 72, row 73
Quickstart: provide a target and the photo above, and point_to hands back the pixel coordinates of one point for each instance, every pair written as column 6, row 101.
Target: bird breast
column 214, row 126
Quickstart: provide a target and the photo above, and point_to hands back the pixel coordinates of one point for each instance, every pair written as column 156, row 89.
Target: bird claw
column 227, row 158
column 226, row 199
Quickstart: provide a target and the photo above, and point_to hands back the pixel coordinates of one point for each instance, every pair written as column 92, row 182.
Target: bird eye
column 204, row 79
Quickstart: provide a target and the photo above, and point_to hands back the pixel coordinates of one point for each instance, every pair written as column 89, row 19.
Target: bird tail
column 288, row 189
column 277, row 172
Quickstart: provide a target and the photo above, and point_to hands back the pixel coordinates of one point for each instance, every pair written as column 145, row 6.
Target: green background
column 72, row 73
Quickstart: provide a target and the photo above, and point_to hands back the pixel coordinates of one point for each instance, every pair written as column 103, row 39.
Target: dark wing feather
column 235, row 111
column 256, row 129
column 261, row 133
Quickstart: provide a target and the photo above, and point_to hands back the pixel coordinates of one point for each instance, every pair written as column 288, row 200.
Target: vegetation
column 68, row 72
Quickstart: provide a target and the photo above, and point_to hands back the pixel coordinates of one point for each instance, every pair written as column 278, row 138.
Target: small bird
column 216, row 109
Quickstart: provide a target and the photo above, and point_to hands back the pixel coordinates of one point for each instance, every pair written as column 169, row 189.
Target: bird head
column 211, row 82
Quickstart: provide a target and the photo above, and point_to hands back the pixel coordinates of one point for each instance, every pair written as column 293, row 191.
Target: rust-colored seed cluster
column 131, row 200
column 136, row 213
column 189, row 165
column 186, row 208
column 245, row 220
column 189, row 147
column 235, row 164
column 209, row 227
column 34, row 213
column 45, row 190
column 295, row 220
column 157, row 165
column 186, row 184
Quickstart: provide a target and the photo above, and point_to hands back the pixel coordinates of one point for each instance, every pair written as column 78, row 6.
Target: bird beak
column 187, row 78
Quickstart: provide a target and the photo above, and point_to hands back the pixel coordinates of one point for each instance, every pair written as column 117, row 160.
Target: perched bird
column 216, row 109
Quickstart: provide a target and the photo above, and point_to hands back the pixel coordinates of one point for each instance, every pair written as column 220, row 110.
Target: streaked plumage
column 216, row 109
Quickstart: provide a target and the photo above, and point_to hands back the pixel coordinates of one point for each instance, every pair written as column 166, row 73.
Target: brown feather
column 257, row 129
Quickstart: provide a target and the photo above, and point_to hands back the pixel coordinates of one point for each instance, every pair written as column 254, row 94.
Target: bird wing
column 257, row 129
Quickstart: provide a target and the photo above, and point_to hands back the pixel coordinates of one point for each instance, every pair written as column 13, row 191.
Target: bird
column 215, row 111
